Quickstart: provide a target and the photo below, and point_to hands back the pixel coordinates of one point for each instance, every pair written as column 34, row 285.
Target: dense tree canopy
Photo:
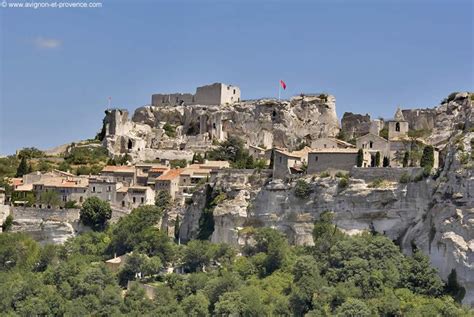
column 95, row 213
column 364, row 275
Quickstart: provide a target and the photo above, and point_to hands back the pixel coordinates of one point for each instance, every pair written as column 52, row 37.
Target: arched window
column 397, row 127
column 371, row 144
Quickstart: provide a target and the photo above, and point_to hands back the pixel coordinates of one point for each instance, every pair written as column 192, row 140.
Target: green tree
column 50, row 198
column 196, row 305
column 377, row 159
column 427, row 158
column 302, row 189
column 22, row 168
column 360, row 158
column 353, row 308
column 386, row 161
column 95, row 213
column 406, row 159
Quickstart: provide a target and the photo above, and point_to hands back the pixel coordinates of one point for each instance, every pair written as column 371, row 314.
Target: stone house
column 373, row 144
column 288, row 163
column 104, row 189
column 68, row 189
column 145, row 171
column 123, row 174
column 169, row 182
column 330, row 143
column 337, row 159
column 214, row 94
column 259, row 153
column 2, row 196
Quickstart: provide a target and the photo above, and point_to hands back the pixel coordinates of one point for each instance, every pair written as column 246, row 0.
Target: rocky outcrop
column 193, row 127
column 45, row 231
column 354, row 125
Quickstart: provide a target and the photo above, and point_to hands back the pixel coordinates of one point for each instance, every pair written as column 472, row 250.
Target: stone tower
column 398, row 127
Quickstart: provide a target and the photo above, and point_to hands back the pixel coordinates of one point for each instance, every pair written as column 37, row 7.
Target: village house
column 330, row 143
column 68, row 189
column 135, row 196
column 288, row 163
column 146, row 171
column 169, row 182
column 336, row 159
column 259, row 153
column 104, row 188
column 123, row 174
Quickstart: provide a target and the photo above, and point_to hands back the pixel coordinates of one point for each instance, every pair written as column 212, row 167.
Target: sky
column 58, row 66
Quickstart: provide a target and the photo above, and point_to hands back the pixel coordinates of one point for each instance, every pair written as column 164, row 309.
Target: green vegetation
column 22, row 168
column 343, row 183
column 8, row 223
column 170, row 130
column 302, row 189
column 50, row 198
column 206, row 221
column 30, row 153
column 377, row 158
column 86, row 155
column 233, row 150
column 406, row 159
column 379, row 183
column 360, row 158
column 364, row 275
column 386, row 162
column 95, row 213
column 405, row 178
column 384, row 133
column 178, row 163
column 427, row 159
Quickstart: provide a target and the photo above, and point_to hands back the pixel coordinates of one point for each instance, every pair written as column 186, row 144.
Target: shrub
column 386, row 161
column 170, row 130
column 343, row 183
column 70, row 204
column 406, row 159
column 464, row 158
column 324, row 174
column 178, row 163
column 405, row 178
column 8, row 223
column 384, row 133
column 377, row 159
column 342, row 175
column 302, row 189
column 376, row 183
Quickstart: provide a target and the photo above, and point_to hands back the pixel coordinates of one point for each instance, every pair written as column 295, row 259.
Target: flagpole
column 279, row 90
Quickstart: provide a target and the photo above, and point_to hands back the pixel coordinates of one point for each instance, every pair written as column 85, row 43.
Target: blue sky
column 58, row 66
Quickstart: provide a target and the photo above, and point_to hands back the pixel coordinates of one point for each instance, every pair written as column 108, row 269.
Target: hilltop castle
column 214, row 94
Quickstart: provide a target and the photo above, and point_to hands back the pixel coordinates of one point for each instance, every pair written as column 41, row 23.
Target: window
column 280, row 159
column 81, row 199
column 134, row 199
column 397, row 127
column 325, row 145
column 93, row 189
column 108, row 188
column 315, row 158
column 123, row 203
column 371, row 144
column 142, row 200
column 234, row 91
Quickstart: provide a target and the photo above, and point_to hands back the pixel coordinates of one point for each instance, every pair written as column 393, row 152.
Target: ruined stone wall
column 354, row 125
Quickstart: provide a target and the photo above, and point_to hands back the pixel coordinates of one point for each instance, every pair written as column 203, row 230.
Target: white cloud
column 45, row 43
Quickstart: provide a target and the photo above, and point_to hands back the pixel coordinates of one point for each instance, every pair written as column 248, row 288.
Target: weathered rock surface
column 262, row 122
column 354, row 125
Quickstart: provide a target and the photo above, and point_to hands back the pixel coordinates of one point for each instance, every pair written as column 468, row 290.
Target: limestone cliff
column 435, row 214
column 158, row 131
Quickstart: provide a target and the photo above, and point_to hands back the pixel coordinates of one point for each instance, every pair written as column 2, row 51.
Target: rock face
column 435, row 214
column 354, row 125
column 45, row 231
column 193, row 127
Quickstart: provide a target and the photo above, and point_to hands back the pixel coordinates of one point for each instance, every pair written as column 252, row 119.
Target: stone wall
column 64, row 215
column 387, row 173
column 354, row 125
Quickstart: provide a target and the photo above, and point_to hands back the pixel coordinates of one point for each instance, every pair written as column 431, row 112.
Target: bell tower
column 398, row 127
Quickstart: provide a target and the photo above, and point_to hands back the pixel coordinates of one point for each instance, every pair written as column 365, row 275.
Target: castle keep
column 214, row 94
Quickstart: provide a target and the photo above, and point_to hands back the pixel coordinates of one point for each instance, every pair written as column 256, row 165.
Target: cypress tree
column 427, row 159
column 22, row 168
column 386, row 161
column 360, row 158
column 377, row 159
column 406, row 158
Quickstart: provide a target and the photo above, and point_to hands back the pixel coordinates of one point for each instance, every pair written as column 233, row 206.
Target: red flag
column 283, row 85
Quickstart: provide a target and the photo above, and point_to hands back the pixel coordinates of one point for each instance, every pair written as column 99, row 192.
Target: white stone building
column 214, row 94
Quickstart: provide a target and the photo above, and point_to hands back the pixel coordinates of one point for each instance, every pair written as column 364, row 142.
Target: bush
column 406, row 159
column 324, row 174
column 178, row 163
column 386, row 161
column 8, row 223
column 70, row 204
column 302, row 189
column 376, row 183
column 343, row 183
column 170, row 130
column 405, row 178
column 342, row 175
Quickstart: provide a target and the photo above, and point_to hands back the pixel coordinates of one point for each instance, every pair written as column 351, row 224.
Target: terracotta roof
column 61, row 182
column 24, row 188
column 118, row 169
column 334, row 150
column 159, row 169
column 170, row 175
column 16, row 181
